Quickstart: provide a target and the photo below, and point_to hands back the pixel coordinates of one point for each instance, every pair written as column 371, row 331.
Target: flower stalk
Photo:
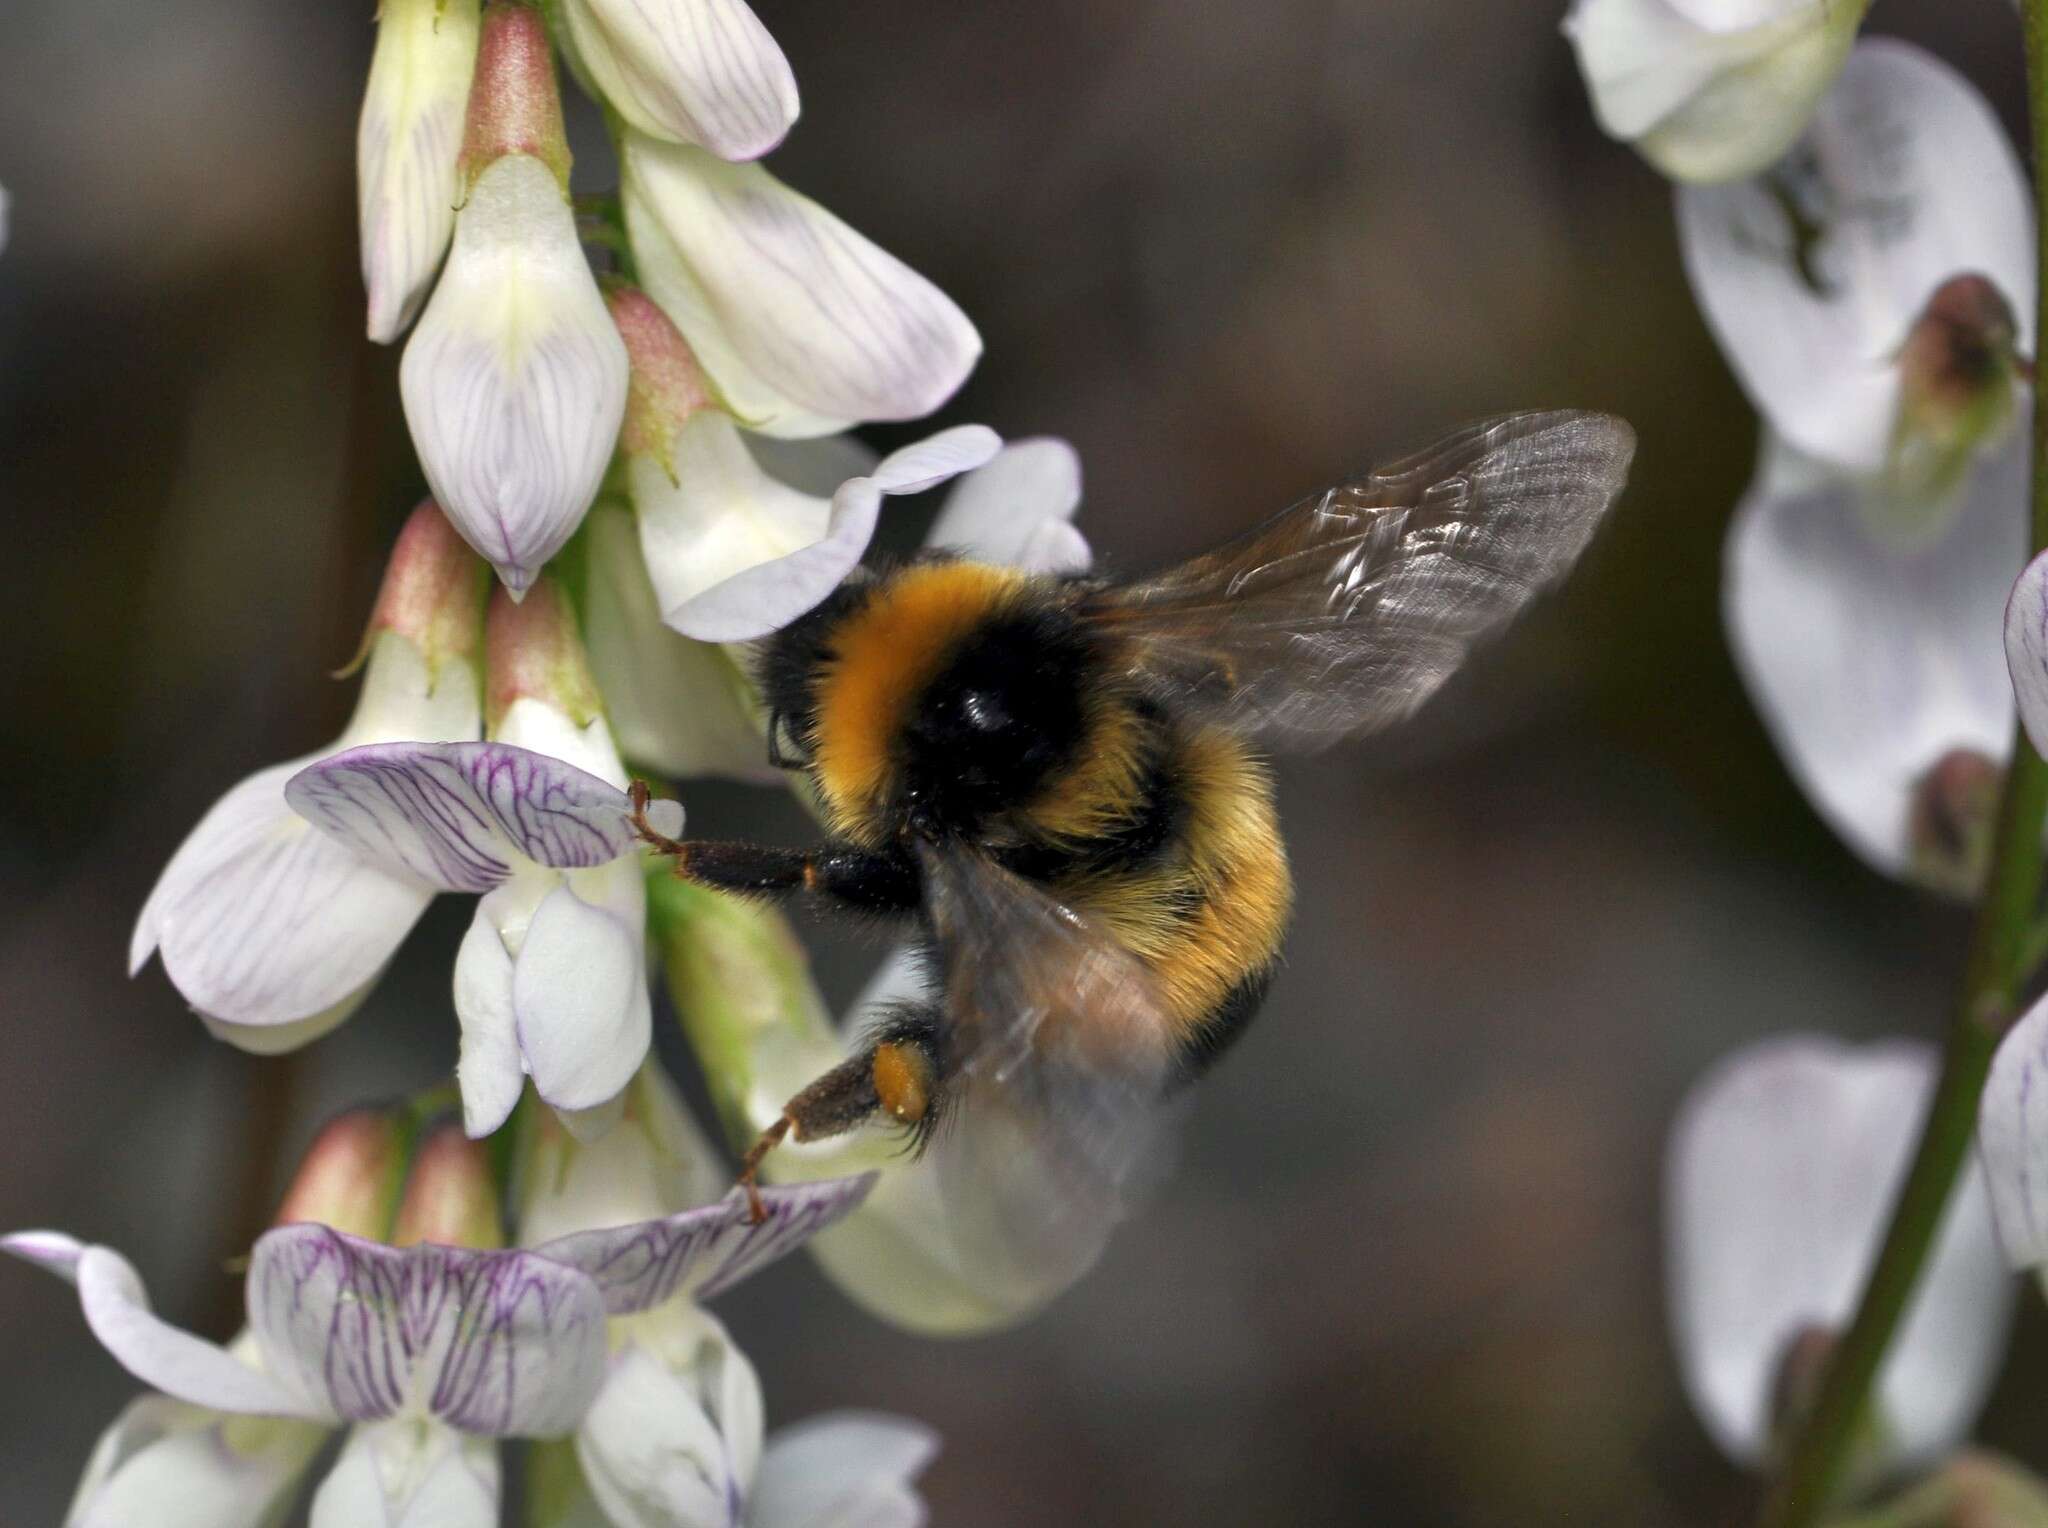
column 2003, row 948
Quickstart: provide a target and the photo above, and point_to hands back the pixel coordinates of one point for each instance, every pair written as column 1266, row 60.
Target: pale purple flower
column 689, row 71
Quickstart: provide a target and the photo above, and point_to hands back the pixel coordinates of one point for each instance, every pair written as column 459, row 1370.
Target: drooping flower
column 1877, row 666
column 803, row 326
column 688, row 71
column 1781, row 1174
column 514, row 381
column 270, row 931
column 1709, row 90
column 407, row 143
column 550, row 981
column 1820, row 276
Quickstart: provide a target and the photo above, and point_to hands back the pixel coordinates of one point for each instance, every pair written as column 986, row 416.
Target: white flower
column 1781, row 1174
column 270, row 930
column 1812, row 275
column 2026, row 649
column 515, row 380
column 2012, row 1138
column 735, row 554
column 1878, row 667
column 691, row 71
column 407, row 143
column 1709, row 89
column 804, row 326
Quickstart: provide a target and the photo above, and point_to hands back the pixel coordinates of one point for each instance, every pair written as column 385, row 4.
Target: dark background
column 1410, row 1270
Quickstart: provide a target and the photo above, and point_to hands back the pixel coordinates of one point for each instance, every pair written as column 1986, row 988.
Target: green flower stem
column 2001, row 949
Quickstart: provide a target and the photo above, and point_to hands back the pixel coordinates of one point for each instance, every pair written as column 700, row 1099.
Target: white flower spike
column 1878, row 667
column 803, row 326
column 271, row 931
column 1709, row 90
column 689, row 71
column 407, row 143
column 1782, row 1168
column 1813, row 274
column 514, row 381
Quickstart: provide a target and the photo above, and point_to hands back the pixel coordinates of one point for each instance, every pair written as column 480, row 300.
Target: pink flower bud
column 433, row 590
column 536, row 652
column 349, row 1177
column 1957, row 375
column 450, row 1198
column 667, row 386
column 515, row 104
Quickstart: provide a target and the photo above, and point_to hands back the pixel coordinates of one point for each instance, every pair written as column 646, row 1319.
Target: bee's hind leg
column 896, row 1073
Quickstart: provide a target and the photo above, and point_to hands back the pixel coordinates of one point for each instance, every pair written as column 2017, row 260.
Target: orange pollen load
column 902, row 1081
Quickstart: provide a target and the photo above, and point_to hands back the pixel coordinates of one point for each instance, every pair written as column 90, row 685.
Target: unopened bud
column 515, row 103
column 1957, row 374
column 535, row 652
column 667, row 384
column 1953, row 817
column 450, row 1197
column 350, row 1175
column 433, row 591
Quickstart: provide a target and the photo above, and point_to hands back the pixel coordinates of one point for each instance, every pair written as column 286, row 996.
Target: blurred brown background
column 1410, row 1270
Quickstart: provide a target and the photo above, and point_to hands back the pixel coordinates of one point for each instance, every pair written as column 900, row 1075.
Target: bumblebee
column 1055, row 780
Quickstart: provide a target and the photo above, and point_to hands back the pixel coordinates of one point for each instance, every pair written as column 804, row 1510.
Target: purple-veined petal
column 515, row 380
column 652, row 1454
column 2012, row 1138
column 403, row 1475
column 579, row 990
column 2026, row 648
column 703, row 72
column 804, row 326
column 1811, row 319
column 170, row 1464
column 993, row 513
column 843, row 1468
column 407, row 142
column 488, row 1071
column 261, row 921
column 937, row 458
column 461, row 816
column 116, row 1307
column 704, row 1251
column 500, row 1343
column 655, row 1163
column 1871, row 661
column 1780, row 1176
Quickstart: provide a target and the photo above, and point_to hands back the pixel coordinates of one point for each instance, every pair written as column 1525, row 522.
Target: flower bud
column 706, row 72
column 515, row 106
column 655, row 1162
column 450, row 1198
column 432, row 594
column 666, row 387
column 407, row 142
column 1954, row 813
column 1957, row 390
column 350, row 1175
column 535, row 653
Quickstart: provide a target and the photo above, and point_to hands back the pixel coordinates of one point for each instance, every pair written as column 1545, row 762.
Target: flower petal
column 651, row 1453
column 404, row 1474
column 173, row 1465
column 656, row 1163
column 461, row 815
column 1812, row 275
column 2012, row 1134
column 705, row 72
column 935, row 459
column 803, row 325
column 1781, row 1173
column 1053, row 546
column 704, row 1251
column 579, row 989
column 501, row 1343
column 991, row 513
column 2026, row 648
column 407, row 142
column 261, row 921
column 488, row 1071
column 117, row 1309
column 1870, row 662
column 515, row 380
column 842, row 1469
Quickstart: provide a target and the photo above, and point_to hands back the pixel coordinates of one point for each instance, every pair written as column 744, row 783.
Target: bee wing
column 1061, row 1050
column 1345, row 613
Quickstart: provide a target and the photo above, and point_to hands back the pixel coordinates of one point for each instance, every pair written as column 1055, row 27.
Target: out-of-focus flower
column 407, row 143
column 1878, row 666
column 690, row 71
column 550, row 981
column 733, row 552
column 803, row 326
column 271, row 931
column 1710, row 89
column 515, row 380
column 430, row 1349
column 1782, row 1170
column 1820, row 277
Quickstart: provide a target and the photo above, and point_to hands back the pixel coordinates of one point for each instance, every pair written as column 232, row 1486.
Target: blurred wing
column 1348, row 611
column 1061, row 1053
